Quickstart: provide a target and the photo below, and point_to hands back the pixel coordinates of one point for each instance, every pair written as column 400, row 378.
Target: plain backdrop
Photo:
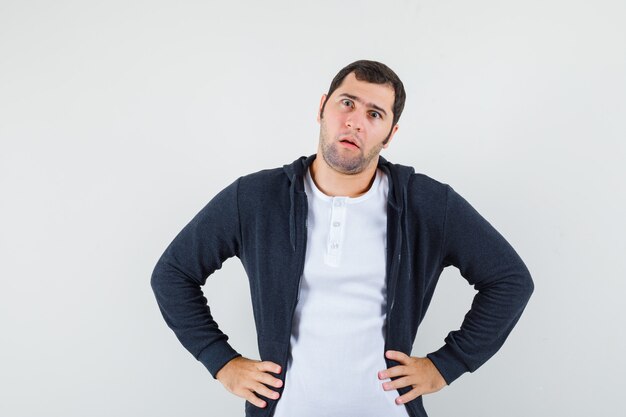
column 120, row 120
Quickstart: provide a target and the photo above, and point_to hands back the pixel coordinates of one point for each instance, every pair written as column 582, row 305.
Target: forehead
column 381, row 95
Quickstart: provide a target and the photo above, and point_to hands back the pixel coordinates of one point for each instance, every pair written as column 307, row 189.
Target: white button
column 334, row 245
column 338, row 203
column 336, row 224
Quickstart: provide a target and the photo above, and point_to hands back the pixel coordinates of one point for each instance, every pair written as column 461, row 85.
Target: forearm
column 495, row 311
column 187, row 313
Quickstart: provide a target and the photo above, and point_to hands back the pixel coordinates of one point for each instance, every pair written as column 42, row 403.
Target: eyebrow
column 357, row 99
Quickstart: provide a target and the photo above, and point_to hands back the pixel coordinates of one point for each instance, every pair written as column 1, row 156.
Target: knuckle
column 254, row 400
column 269, row 393
column 270, row 380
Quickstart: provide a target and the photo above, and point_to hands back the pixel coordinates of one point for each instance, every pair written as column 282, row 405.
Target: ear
column 319, row 110
column 393, row 132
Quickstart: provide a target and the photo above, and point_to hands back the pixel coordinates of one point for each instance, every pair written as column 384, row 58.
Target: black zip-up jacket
column 261, row 218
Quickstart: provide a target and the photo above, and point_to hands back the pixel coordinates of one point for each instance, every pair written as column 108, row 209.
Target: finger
column 268, row 379
column 267, row 366
column 266, row 392
column 394, row 371
column 398, row 356
column 254, row 400
column 409, row 396
column 398, row 383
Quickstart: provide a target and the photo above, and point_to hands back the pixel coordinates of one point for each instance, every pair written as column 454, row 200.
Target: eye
column 376, row 115
column 346, row 102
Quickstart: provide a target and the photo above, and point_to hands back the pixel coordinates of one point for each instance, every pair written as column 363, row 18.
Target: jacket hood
column 398, row 175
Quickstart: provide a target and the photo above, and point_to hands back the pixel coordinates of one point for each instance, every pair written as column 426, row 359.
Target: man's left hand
column 419, row 373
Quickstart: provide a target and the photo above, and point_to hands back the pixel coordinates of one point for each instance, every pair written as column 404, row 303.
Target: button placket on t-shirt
column 336, row 226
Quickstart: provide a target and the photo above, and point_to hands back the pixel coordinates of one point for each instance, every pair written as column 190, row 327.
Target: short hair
column 376, row 73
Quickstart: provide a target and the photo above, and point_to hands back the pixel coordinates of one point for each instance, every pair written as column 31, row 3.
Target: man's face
column 356, row 121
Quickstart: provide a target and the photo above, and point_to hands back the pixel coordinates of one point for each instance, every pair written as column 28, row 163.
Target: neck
column 334, row 183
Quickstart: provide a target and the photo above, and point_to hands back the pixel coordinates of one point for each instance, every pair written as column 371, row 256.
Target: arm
column 487, row 261
column 210, row 238
column 198, row 250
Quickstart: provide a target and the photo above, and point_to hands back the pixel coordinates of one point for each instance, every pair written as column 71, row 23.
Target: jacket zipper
column 393, row 299
column 293, row 308
column 393, row 270
column 391, row 282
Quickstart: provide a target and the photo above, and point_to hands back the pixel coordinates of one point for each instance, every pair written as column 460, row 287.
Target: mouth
column 349, row 142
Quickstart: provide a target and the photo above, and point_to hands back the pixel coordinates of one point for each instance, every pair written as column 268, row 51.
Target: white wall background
column 119, row 120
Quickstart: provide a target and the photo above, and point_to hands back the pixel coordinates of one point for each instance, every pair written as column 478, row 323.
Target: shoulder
column 264, row 176
column 423, row 181
column 426, row 193
column 420, row 191
column 267, row 186
column 415, row 182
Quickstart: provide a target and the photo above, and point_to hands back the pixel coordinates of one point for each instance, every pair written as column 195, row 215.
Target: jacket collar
column 398, row 175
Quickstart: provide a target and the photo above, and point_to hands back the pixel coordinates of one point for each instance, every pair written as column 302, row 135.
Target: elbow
column 521, row 290
column 526, row 282
column 156, row 279
column 529, row 285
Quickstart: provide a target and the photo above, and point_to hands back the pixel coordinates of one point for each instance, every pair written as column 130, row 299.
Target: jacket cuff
column 449, row 366
column 216, row 355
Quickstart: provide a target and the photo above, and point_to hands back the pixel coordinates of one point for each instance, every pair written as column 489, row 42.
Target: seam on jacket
column 445, row 220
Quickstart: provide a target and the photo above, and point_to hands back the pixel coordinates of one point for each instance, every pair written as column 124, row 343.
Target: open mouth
column 349, row 142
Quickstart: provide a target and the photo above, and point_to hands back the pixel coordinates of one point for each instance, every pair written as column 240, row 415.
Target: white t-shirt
column 337, row 337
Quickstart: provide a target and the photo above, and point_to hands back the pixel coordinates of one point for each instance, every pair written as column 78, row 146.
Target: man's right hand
column 244, row 377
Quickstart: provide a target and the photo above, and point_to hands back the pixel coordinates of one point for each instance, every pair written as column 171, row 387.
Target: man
column 343, row 251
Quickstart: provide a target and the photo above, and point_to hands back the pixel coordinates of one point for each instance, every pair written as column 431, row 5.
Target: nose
column 353, row 122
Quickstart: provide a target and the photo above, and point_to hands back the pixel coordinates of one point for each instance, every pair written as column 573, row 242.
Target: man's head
column 376, row 73
column 358, row 115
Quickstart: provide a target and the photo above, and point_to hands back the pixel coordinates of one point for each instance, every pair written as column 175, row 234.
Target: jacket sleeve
column 198, row 250
column 489, row 263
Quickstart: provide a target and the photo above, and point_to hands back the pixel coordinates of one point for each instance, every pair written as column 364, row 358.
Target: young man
column 343, row 251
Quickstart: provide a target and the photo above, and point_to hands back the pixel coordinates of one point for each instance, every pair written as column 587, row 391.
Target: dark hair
column 376, row 73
